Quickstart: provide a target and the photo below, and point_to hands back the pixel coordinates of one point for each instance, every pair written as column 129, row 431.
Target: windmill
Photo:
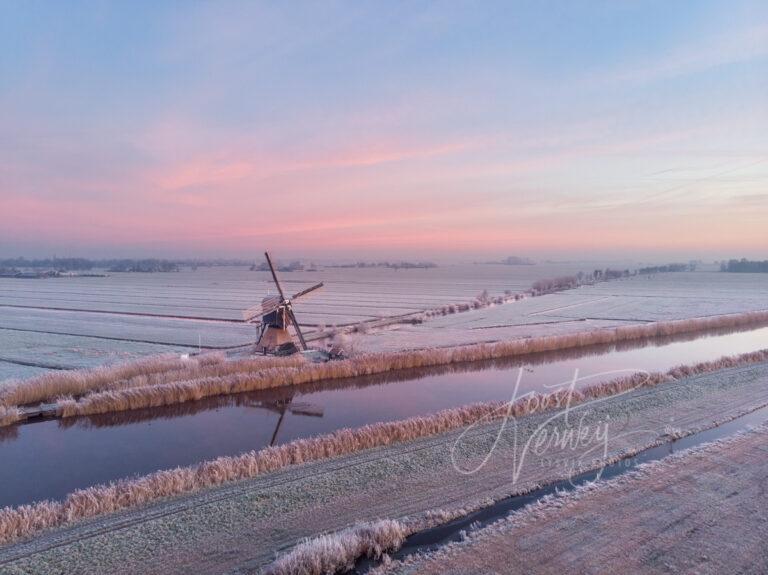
column 275, row 314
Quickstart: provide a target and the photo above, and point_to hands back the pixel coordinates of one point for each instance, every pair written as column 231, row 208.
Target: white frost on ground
column 39, row 316
column 43, row 335
column 703, row 507
column 608, row 304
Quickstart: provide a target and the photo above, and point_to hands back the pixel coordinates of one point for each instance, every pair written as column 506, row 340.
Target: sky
column 444, row 130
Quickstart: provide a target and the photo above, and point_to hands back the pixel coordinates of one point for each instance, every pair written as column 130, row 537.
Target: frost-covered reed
column 338, row 552
column 483, row 300
column 249, row 375
column 144, row 372
column 28, row 519
column 9, row 415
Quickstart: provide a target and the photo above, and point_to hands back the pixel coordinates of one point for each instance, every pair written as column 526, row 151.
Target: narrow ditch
column 432, row 539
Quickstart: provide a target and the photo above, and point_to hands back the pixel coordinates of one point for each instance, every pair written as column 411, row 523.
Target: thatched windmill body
column 275, row 314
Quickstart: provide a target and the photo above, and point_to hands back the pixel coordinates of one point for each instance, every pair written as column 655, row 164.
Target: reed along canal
column 49, row 459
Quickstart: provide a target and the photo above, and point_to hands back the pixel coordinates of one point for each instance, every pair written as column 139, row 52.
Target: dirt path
column 702, row 512
column 240, row 527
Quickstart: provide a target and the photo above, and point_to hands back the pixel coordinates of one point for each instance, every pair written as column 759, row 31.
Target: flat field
column 87, row 321
column 638, row 299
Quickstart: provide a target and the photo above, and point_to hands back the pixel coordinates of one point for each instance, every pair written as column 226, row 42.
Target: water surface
column 52, row 458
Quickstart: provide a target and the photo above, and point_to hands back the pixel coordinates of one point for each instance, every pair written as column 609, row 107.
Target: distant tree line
column 392, row 265
column 512, row 261
column 549, row 285
column 143, row 266
column 744, row 266
column 58, row 264
column 295, row 266
column 606, row 274
column 517, row 261
column 668, row 268
column 43, row 273
column 115, row 265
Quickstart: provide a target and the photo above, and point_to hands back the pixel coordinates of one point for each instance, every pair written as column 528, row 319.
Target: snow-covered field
column 632, row 300
column 84, row 322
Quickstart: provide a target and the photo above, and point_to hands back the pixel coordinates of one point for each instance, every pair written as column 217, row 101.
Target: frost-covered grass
column 350, row 295
column 120, row 329
column 28, row 519
column 79, row 339
column 619, row 513
column 25, row 354
column 662, row 297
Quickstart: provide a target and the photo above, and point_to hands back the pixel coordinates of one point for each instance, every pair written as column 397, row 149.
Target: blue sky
column 542, row 128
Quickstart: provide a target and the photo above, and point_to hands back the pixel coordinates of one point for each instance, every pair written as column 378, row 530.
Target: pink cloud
column 212, row 172
column 202, row 173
